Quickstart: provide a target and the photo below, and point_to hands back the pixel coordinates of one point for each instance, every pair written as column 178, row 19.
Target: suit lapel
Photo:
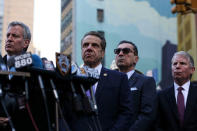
column 102, row 80
column 133, row 79
column 172, row 101
column 191, row 99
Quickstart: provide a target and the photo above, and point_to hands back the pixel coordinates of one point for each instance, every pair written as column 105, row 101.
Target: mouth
column 8, row 44
column 121, row 59
column 177, row 73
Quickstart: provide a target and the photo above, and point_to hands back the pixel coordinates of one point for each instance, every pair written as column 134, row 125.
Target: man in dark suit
column 142, row 88
column 18, row 37
column 177, row 105
column 111, row 92
column 17, row 41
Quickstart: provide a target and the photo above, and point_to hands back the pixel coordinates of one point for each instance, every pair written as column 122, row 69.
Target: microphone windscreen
column 37, row 62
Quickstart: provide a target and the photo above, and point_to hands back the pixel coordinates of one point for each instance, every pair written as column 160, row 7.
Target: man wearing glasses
column 142, row 88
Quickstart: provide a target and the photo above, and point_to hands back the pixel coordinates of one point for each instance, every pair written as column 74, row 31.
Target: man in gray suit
column 142, row 88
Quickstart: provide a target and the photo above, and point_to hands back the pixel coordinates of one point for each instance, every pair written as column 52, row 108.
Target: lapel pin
column 105, row 74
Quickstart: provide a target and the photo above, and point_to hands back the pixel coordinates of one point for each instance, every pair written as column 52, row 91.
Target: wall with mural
column 147, row 23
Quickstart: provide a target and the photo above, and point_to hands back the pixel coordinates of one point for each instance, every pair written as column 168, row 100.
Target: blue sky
column 163, row 7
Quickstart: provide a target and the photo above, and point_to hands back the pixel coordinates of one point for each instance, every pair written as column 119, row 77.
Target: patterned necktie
column 180, row 105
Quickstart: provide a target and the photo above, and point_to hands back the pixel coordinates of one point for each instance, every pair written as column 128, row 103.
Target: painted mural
column 147, row 23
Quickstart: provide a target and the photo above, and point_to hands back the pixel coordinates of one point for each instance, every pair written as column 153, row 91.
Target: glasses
column 124, row 50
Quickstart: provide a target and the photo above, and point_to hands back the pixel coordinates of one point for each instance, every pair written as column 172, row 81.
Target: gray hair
column 186, row 55
column 26, row 30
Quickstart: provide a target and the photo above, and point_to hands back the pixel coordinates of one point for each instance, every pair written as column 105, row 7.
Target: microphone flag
column 63, row 63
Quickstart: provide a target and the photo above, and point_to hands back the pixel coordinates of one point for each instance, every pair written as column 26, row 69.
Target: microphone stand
column 58, row 108
column 45, row 101
column 95, row 109
column 76, row 100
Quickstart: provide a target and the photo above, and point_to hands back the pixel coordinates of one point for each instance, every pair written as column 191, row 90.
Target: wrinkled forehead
column 180, row 57
column 15, row 28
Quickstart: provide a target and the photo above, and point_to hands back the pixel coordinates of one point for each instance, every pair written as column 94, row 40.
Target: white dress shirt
column 130, row 73
column 184, row 91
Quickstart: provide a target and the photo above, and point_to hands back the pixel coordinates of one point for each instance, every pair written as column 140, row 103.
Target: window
column 100, row 15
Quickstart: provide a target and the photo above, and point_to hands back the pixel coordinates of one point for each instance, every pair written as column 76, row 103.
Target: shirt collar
column 8, row 57
column 130, row 73
column 98, row 68
column 184, row 86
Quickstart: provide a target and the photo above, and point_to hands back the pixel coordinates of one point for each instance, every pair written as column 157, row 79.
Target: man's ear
column 26, row 43
column 136, row 59
column 103, row 54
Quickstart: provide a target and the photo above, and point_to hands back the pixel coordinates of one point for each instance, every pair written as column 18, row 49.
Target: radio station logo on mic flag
column 23, row 60
column 48, row 65
column 63, row 63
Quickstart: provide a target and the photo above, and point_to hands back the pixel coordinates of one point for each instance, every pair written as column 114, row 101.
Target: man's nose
column 178, row 65
column 121, row 52
column 89, row 46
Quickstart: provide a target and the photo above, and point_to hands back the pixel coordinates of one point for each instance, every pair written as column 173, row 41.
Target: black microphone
column 90, row 104
column 32, row 63
column 49, row 66
column 86, row 101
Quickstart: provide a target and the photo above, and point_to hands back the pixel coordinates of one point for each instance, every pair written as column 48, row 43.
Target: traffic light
column 184, row 6
column 194, row 5
column 179, row 8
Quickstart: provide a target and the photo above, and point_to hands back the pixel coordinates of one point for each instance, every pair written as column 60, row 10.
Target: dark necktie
column 180, row 105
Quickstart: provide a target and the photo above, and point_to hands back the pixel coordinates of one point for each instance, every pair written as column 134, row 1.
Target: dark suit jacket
column 114, row 106
column 112, row 97
column 168, row 113
column 143, row 96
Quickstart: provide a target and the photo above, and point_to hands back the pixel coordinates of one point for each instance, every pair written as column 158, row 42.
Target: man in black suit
column 177, row 105
column 18, row 37
column 111, row 92
column 142, row 88
column 17, row 41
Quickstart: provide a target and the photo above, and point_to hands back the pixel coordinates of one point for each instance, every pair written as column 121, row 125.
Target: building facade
column 118, row 21
column 187, row 36
column 1, row 20
column 18, row 10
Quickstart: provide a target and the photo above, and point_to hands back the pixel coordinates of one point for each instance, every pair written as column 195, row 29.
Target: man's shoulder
column 113, row 72
column 165, row 91
column 143, row 77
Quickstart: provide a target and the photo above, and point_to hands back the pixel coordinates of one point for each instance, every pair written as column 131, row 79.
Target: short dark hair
column 99, row 35
column 129, row 42
column 26, row 30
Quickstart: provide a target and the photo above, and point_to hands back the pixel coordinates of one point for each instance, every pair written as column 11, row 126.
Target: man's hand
column 3, row 121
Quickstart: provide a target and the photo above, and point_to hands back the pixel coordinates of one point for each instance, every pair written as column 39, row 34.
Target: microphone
column 49, row 66
column 32, row 63
column 86, row 101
